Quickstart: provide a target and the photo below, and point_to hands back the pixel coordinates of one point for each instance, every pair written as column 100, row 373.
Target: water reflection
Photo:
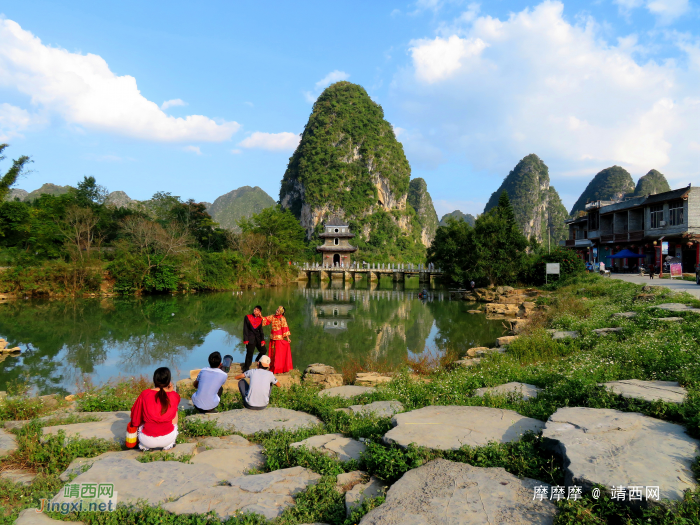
column 330, row 323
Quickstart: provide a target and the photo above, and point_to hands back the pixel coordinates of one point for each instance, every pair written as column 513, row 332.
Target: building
column 336, row 248
column 658, row 226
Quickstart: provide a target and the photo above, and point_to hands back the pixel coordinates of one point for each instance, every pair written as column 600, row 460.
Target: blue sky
column 201, row 100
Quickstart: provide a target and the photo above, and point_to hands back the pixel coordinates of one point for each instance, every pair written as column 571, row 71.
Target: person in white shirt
column 256, row 396
column 210, row 385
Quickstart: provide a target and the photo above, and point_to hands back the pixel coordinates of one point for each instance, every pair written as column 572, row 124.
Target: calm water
column 63, row 340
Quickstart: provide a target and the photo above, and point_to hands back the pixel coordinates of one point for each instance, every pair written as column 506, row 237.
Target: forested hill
column 241, row 203
column 651, row 183
column 459, row 216
column 535, row 203
column 420, row 199
column 609, row 184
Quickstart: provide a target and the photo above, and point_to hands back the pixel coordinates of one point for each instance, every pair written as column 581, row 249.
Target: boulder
column 468, row 362
column 518, row 325
column 112, row 427
column 610, row 447
column 486, row 351
column 606, row 331
column 668, row 391
column 30, row 516
column 230, row 461
column 346, row 391
column 371, row 379
column 378, row 408
column 184, row 384
column 322, row 375
column 507, row 310
column 334, row 445
column 451, row 427
column 293, row 377
column 509, row 299
column 558, row 335
column 266, row 494
column 361, row 491
column 445, row 492
column 472, row 351
column 506, row 340
column 527, row 391
column 251, row 421
column 626, row 315
column 8, row 443
column 645, row 298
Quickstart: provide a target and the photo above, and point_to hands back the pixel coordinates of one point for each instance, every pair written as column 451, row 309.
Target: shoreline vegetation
column 569, row 372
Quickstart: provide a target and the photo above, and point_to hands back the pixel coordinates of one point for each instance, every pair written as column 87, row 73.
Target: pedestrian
column 472, row 284
column 210, row 385
column 651, row 271
column 253, row 337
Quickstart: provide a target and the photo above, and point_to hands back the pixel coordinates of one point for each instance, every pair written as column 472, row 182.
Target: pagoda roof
column 336, row 249
column 331, row 235
column 335, row 221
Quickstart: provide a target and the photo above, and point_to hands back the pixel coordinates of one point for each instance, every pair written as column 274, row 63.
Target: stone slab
column 371, row 379
column 606, row 331
column 442, row 492
column 671, row 319
column 468, row 362
column 378, row 408
column 80, row 465
column 251, row 421
column 451, row 427
column 611, row 447
column 112, row 427
column 564, row 334
column 230, row 463
column 267, row 494
column 8, row 443
column 225, row 442
column 626, row 315
column 347, row 480
column 25, row 477
column 356, row 495
column 669, row 391
column 527, row 391
column 335, row 445
column 155, row 482
column 32, row 517
column 347, row 391
column 676, row 307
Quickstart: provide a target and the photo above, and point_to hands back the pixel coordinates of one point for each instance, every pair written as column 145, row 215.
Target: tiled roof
column 336, row 221
column 667, row 195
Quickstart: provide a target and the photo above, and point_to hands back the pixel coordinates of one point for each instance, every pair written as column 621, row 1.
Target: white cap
column 265, row 360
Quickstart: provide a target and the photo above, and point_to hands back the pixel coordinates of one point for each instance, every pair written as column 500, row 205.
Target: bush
column 533, row 270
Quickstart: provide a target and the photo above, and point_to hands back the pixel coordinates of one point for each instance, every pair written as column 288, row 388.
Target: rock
column 626, row 315
column 668, row 391
column 518, row 325
column 293, row 377
column 486, row 351
column 224, row 442
column 610, row 447
column 348, row 480
column 650, row 288
column 445, row 492
column 509, row 300
column 671, row 319
column 558, row 335
column 378, row 408
column 506, row 340
column 356, row 495
column 527, row 391
column 323, row 375
column 676, row 307
column 155, row 482
column 606, row 331
column 346, row 391
column 30, row 516
column 371, row 379
column 334, row 445
column 184, row 384
column 185, row 404
column 474, row 311
column 472, row 351
column 267, row 494
column 112, row 427
column 232, row 461
column 507, row 310
column 451, row 427
column 528, row 305
column 468, row 362
column 194, row 373
column 8, row 443
column 80, row 465
column 645, row 297
column 251, row 421
column 22, row 476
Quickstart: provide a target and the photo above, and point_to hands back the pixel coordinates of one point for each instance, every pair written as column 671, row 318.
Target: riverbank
column 605, row 330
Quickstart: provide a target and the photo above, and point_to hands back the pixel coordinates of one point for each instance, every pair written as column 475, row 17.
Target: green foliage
column 10, row 177
column 283, row 234
column 556, row 214
column 230, row 208
column 534, row 265
column 651, row 183
column 608, row 184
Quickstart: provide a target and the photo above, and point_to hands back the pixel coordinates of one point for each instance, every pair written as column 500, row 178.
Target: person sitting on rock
column 256, row 396
column 210, row 385
column 155, row 413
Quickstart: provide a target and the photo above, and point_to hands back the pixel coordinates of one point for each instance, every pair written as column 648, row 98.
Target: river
column 65, row 341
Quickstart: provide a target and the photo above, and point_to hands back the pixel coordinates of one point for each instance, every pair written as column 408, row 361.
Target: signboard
column 676, row 270
column 552, row 268
column 664, row 248
column 595, row 253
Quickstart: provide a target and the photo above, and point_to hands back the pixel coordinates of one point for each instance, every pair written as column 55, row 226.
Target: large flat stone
column 626, row 315
column 347, row 391
column 356, row 495
column 111, row 427
column 676, row 307
column 267, row 494
column 610, row 447
column 606, row 331
column 442, row 492
column 451, row 427
column 564, row 334
column 224, row 442
column 8, row 443
column 669, row 391
column 25, row 477
column 378, row 408
column 371, row 379
column 32, row 517
column 155, row 482
column 335, row 445
column 252, row 421
column 80, row 465
column 527, row 391
column 230, row 463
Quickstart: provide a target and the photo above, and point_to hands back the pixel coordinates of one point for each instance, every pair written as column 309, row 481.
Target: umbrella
column 626, row 254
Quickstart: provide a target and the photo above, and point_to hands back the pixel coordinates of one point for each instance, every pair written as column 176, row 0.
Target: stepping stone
column 445, row 492
column 676, row 307
column 230, row 463
column 378, row 408
column 626, row 315
column 80, row 465
column 562, row 334
column 356, row 495
column 606, row 331
column 668, row 391
column 267, row 494
column 155, row 482
column 322, row 375
column 347, row 391
column 346, row 481
column 451, row 427
column 610, row 447
column 468, row 362
column 251, row 421
column 506, row 340
column 111, row 427
column 671, row 319
column 32, row 517
column 225, row 442
column 25, row 477
column 527, row 391
column 8, row 443
column 371, row 379
column 334, row 445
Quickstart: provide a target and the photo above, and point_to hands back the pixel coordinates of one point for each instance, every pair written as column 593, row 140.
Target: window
column 593, row 220
column 335, row 241
column 336, row 231
column 657, row 215
column 675, row 213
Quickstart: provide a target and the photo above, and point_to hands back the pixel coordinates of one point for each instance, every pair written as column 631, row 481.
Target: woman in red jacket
column 155, row 413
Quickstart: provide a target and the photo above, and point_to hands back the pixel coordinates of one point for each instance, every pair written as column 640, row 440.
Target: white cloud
column 331, row 78
column 540, row 84
column 172, row 103
column 84, row 92
column 14, row 121
column 285, row 141
column 193, row 149
column 666, row 11
column 236, row 151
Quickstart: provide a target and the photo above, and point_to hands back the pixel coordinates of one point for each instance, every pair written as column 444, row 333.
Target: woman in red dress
column 155, row 413
column 280, row 349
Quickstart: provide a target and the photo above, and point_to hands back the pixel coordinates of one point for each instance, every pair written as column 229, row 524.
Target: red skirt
column 281, row 357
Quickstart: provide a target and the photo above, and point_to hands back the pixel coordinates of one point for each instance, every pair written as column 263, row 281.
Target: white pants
column 165, row 442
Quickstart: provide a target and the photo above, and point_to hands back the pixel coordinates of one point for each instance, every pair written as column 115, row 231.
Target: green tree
column 89, row 193
column 284, row 236
column 10, row 178
column 452, row 249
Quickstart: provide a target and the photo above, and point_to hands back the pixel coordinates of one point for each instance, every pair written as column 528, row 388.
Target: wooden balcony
column 607, row 237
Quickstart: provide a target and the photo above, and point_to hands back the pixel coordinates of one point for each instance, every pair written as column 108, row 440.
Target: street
column 674, row 284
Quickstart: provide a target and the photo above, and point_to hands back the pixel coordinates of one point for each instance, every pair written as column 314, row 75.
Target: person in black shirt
column 253, row 337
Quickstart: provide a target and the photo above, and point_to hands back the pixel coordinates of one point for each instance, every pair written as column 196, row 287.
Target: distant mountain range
column 458, row 215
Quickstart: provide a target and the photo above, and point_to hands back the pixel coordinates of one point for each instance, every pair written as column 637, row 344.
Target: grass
column 569, row 371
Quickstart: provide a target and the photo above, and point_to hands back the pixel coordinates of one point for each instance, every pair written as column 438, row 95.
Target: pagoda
column 336, row 249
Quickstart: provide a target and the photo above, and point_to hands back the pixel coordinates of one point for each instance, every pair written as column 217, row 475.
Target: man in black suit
column 253, row 337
